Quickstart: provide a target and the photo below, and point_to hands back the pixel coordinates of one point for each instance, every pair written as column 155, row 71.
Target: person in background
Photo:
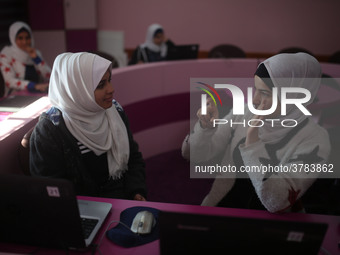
column 85, row 136
column 22, row 65
column 155, row 47
column 273, row 145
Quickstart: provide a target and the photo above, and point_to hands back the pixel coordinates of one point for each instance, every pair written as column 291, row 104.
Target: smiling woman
column 104, row 91
column 85, row 136
column 22, row 65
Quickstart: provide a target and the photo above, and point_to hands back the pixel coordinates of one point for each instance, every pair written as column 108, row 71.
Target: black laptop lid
column 39, row 211
column 182, row 233
column 182, row 52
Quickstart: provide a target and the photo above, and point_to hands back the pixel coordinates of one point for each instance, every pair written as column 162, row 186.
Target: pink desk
column 11, row 104
column 107, row 247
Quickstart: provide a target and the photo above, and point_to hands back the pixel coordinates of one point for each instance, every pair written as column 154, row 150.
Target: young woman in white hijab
column 248, row 146
column 85, row 136
column 155, row 47
column 22, row 65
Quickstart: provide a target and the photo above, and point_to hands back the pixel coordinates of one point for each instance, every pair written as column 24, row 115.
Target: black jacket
column 54, row 153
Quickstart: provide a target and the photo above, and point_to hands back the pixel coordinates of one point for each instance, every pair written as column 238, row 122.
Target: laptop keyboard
column 88, row 226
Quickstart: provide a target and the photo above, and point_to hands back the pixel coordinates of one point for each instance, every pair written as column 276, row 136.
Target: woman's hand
column 31, row 52
column 42, row 87
column 206, row 121
column 139, row 197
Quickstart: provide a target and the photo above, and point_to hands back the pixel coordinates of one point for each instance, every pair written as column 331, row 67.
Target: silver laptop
column 45, row 212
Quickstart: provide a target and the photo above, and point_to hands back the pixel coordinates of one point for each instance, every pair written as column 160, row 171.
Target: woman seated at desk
column 22, row 65
column 85, row 136
column 270, row 145
column 155, row 47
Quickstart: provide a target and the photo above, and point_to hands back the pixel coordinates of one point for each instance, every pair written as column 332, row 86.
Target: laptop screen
column 182, row 233
column 182, row 52
column 42, row 212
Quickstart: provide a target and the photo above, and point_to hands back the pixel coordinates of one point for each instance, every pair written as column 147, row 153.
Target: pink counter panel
column 157, row 100
column 12, row 129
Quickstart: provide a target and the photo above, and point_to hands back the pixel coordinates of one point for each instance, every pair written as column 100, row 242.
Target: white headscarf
column 14, row 50
column 73, row 81
column 291, row 70
column 149, row 40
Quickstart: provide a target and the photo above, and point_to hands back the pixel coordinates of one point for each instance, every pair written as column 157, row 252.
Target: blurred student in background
column 155, row 48
column 22, row 65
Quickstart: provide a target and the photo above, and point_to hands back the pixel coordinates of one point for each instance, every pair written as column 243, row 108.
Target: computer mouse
column 143, row 222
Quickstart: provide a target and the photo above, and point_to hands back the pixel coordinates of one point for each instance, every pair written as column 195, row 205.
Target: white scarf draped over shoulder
column 291, row 70
column 73, row 81
column 163, row 48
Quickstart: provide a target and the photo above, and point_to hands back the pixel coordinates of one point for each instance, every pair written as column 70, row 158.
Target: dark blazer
column 54, row 152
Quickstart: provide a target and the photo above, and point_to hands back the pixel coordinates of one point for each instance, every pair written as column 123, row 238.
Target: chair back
column 295, row 50
column 226, row 51
column 106, row 56
column 2, row 81
column 2, row 85
column 335, row 58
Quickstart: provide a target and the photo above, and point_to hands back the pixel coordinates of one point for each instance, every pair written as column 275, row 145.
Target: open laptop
column 184, row 233
column 182, row 52
column 45, row 212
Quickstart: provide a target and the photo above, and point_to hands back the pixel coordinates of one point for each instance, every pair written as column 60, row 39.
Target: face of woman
column 262, row 98
column 158, row 38
column 23, row 40
column 104, row 92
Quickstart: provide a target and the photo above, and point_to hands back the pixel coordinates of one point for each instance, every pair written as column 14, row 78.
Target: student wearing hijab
column 22, row 65
column 85, row 136
column 271, row 144
column 155, row 47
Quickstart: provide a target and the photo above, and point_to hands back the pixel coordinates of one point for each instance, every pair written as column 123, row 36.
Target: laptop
column 45, row 212
column 184, row 233
column 182, row 52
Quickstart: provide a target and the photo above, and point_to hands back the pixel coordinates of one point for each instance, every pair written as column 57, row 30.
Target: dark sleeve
column 46, row 151
column 136, row 56
column 135, row 179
